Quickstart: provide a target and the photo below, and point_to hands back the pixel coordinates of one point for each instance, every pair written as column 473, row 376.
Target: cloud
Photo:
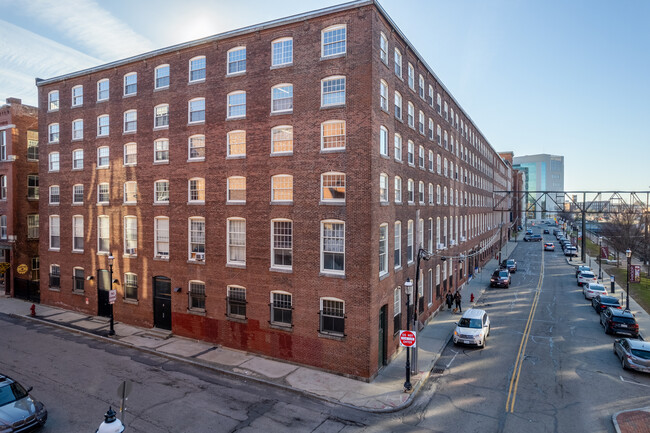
column 25, row 55
column 85, row 25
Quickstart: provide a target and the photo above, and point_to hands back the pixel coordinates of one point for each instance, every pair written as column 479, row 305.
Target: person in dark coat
column 450, row 300
column 458, row 298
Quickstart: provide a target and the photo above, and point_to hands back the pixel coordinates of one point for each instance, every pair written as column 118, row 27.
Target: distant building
column 19, row 218
column 544, row 173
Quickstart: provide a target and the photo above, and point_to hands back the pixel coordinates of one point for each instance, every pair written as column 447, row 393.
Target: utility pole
column 584, row 227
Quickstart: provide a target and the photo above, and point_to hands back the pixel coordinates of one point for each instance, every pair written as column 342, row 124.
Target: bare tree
column 624, row 231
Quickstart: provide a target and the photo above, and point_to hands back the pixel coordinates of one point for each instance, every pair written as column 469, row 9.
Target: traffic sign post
column 407, row 339
column 123, row 392
column 112, row 296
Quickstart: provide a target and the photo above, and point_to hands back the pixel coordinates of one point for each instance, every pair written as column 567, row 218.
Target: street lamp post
column 600, row 257
column 628, row 254
column 111, row 330
column 422, row 255
column 408, row 285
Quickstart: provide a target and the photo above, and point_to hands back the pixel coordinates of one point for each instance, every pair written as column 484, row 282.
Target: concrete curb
column 211, row 367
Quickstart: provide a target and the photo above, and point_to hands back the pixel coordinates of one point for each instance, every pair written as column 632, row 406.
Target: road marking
column 521, row 355
column 452, row 359
column 633, row 382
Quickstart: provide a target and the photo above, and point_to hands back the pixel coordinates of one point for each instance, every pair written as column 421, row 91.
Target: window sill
column 384, row 203
column 158, row 89
column 337, row 337
column 160, row 128
column 77, row 169
column 103, row 136
column 161, row 259
column 77, row 204
column 327, row 107
column 78, row 292
column 102, row 253
column 384, row 276
column 198, row 122
column 199, row 81
column 130, row 164
column 77, row 139
column 51, row 204
column 236, row 265
column 130, row 301
column 161, row 163
column 129, row 95
column 52, row 142
column 32, row 199
column 334, row 150
column 280, row 113
column 282, row 203
column 276, row 154
column 102, row 168
column 195, row 262
column 196, row 160
column 129, row 256
column 281, row 270
column 236, row 118
column 235, row 203
column 160, row 203
column 327, row 274
column 237, row 319
column 235, row 157
column 199, row 203
column 56, row 250
column 130, row 203
column 236, row 74
column 76, row 252
column 385, row 110
column 284, row 65
column 397, row 269
column 384, row 156
column 334, row 56
column 129, row 132
column 54, row 289
column 287, row 327
column 332, row 203
column 103, row 203
column 196, row 312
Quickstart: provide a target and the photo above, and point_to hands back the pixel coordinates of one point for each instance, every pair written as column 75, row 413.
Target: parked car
column 581, row 268
column 529, row 232
column 500, row 278
column 586, row 277
column 590, row 290
column 472, row 328
column 549, row 246
column 509, row 264
column 634, row 354
column 546, row 232
column 533, row 238
column 19, row 412
column 619, row 322
column 571, row 252
column 601, row 302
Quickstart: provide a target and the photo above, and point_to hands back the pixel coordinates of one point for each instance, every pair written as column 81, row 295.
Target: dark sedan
column 509, row 264
column 500, row 278
column 601, row 302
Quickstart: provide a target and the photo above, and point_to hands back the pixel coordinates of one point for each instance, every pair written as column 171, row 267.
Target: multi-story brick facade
column 19, row 193
column 245, row 184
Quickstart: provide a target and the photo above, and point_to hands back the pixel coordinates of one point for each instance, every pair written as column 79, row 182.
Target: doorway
column 162, row 303
column 103, row 286
column 382, row 349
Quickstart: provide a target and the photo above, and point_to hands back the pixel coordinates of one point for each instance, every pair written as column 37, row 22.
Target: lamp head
column 408, row 286
column 628, row 253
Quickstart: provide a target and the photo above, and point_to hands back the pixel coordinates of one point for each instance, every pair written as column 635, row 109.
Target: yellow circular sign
column 22, row 269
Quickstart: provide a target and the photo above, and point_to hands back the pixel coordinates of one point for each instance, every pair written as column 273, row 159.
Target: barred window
column 196, row 295
column 281, row 308
column 236, row 302
column 78, row 280
column 332, row 316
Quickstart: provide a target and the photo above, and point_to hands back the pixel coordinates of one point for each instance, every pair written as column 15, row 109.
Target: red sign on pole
column 635, row 273
column 407, row 338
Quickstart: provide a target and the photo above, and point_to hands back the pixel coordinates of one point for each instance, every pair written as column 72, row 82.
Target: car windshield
column 510, row 262
column 628, row 320
column 643, row 354
column 608, row 300
column 470, row 323
column 11, row 392
column 587, row 275
column 503, row 274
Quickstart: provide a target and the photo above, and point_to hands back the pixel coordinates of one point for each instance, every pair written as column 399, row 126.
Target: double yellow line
column 514, row 380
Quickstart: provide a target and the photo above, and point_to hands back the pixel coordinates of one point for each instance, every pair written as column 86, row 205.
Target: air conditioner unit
column 441, row 246
column 132, row 251
column 199, row 257
column 11, row 157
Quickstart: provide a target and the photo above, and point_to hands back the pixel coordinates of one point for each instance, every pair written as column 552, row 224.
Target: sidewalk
column 633, row 420
column 384, row 394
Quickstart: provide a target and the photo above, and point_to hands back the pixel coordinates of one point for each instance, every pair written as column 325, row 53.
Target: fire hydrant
column 471, row 297
column 32, row 310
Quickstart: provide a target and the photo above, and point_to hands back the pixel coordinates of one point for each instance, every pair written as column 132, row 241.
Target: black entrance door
column 103, row 286
column 382, row 349
column 162, row 303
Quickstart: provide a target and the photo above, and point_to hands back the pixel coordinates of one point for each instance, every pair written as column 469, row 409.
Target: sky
column 565, row 77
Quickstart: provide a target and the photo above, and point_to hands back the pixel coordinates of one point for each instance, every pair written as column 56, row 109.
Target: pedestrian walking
column 458, row 298
column 450, row 300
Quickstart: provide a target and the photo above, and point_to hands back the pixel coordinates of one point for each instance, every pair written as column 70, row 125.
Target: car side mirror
column 456, row 323
column 29, row 389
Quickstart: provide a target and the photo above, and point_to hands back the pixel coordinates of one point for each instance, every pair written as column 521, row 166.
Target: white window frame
column 383, row 246
column 77, row 188
column 398, row 105
column 129, row 250
column 194, row 69
column 411, row 76
column 53, row 162
column 397, row 245
column 160, row 141
column 279, row 131
column 130, row 124
column 277, row 91
column 130, row 149
column 229, row 242
column 190, row 111
column 410, row 189
column 398, row 189
column 196, row 139
column 383, row 188
column 108, row 192
column 199, row 191
column 322, row 247
column 160, row 238
column 324, row 93
column 383, row 95
column 157, row 78
column 383, row 140
column 78, row 232
column 230, row 146
column 101, row 126
column 409, row 242
column 193, row 239
column 397, row 146
column 230, row 183
column 230, row 106
column 77, row 133
column 100, row 91
column 281, row 239
column 103, row 233
column 77, row 98
column 163, row 118
column 51, row 195
column 77, row 163
column 281, row 44
column 236, row 61
column 130, row 190
column 54, row 231
column 397, row 58
column 410, row 115
column 280, row 180
column 158, row 192
column 383, row 48
column 333, row 29
column 325, row 177
column 52, row 133
column 108, row 157
column 126, row 85
column 325, row 126
column 53, row 101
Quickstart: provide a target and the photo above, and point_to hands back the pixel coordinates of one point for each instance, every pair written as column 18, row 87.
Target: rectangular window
column 103, row 234
column 237, row 60
column 383, row 249
column 197, row 110
column 161, row 150
column 383, row 95
column 102, row 193
column 3, row 226
column 332, row 317
column 197, row 296
column 282, row 52
column 54, row 194
column 54, row 161
column 130, row 84
column 103, row 123
column 411, row 153
column 421, row 157
column 398, row 189
column 162, row 77
column 32, row 145
column 197, row 190
column 282, row 139
column 333, row 41
column 78, row 159
column 411, row 76
column 411, row 194
column 130, row 286
column 32, row 187
column 397, row 310
column 197, row 69
column 237, row 302
column 55, row 277
column 398, row 147
column 237, row 105
column 197, row 239
column 237, row 241
column 383, row 188
column 130, row 154
column 236, row 189
column 53, row 137
column 398, row 105
column 130, row 235
column 196, row 147
column 236, row 143
column 333, row 91
column 78, row 129
column 77, row 233
column 102, row 157
column 281, row 309
column 77, row 96
column 102, row 90
column 282, row 253
column 409, row 242
column 397, row 253
column 383, row 48
column 383, row 141
column 161, row 116
column 398, row 63
column 333, row 247
column 161, row 229
column 130, row 121
column 78, row 280
column 282, row 98
column 32, row 226
column 333, row 135
column 78, row 194
column 161, row 191
column 282, row 188
column 130, row 192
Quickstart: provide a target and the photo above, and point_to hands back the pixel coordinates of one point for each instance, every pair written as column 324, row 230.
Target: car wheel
column 488, row 333
column 623, row 362
column 608, row 330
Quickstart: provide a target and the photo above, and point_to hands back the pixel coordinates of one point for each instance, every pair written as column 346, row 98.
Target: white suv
column 472, row 328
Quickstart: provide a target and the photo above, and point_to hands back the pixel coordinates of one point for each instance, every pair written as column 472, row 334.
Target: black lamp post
column 111, row 330
column 600, row 257
column 628, row 254
column 408, row 285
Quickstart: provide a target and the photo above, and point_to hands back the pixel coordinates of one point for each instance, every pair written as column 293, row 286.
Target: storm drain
column 437, row 370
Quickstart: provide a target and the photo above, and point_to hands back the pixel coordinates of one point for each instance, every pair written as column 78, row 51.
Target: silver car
column 634, row 354
column 19, row 412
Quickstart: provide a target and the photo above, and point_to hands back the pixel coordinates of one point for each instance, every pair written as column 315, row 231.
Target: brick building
column 266, row 189
column 19, row 213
